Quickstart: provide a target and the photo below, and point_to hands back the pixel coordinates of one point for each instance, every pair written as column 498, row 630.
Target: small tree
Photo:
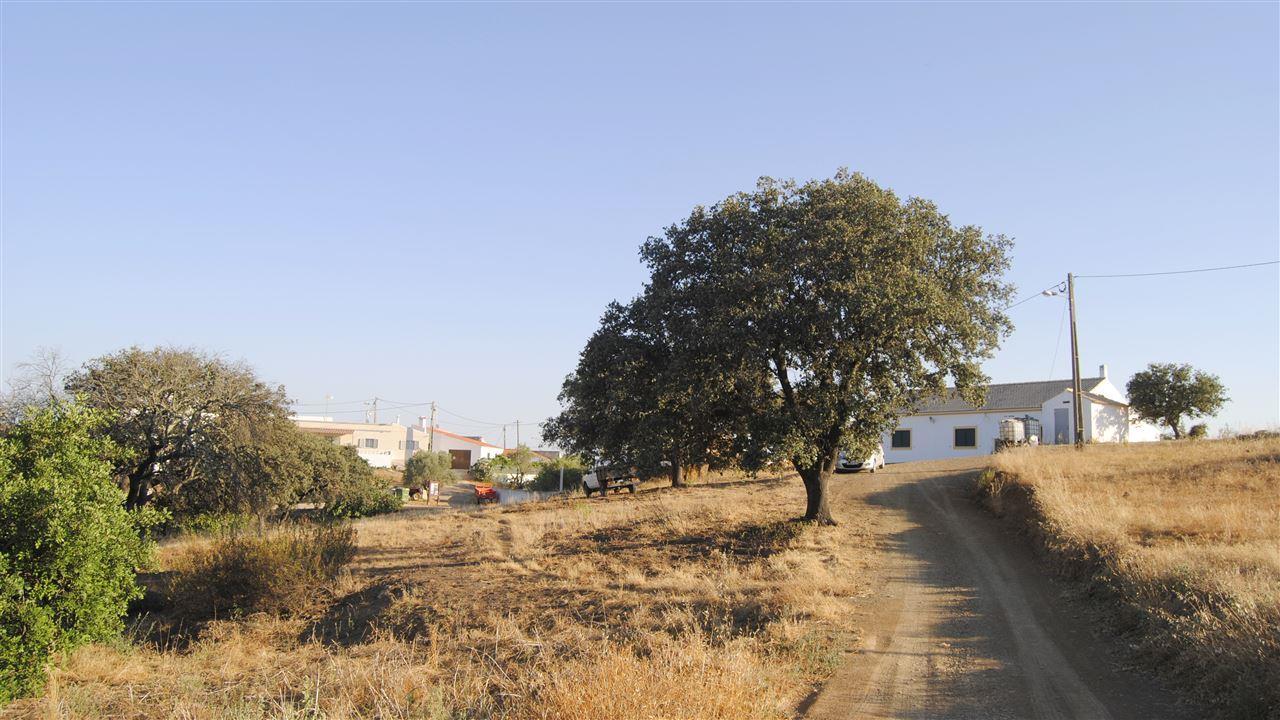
column 37, row 383
column 427, row 467
column 1165, row 393
column 69, row 550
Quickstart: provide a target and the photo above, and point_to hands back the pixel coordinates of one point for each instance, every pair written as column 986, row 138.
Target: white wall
column 932, row 436
column 443, row 442
column 1107, row 423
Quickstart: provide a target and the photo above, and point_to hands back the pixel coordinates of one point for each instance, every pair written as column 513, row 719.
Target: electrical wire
column 334, row 402
column 1029, row 298
column 1184, row 272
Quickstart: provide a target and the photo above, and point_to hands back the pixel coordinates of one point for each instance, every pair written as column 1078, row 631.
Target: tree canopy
column 170, row 407
column 803, row 319
column 641, row 397
column 1165, row 393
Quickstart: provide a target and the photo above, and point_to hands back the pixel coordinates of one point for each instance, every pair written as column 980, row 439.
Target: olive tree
column 852, row 302
column 426, row 467
column 1165, row 393
column 170, row 408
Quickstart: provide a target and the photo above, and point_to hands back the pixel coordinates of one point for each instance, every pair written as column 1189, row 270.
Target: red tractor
column 485, row 493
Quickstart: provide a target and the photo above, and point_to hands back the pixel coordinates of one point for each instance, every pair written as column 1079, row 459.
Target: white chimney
column 1102, row 370
column 422, row 421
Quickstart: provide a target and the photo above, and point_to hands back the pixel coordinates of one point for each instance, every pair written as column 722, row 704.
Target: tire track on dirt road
column 962, row 623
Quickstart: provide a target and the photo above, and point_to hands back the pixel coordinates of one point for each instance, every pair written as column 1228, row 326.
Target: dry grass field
column 1181, row 539
column 698, row 603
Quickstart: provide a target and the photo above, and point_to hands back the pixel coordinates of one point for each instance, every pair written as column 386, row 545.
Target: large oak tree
column 852, row 302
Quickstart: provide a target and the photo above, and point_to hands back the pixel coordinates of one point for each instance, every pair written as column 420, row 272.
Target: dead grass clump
column 1181, row 538
column 277, row 570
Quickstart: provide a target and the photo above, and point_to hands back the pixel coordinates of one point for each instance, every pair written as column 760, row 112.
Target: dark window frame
column 893, row 439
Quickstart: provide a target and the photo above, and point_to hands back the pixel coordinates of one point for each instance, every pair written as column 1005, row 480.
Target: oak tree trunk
column 816, row 477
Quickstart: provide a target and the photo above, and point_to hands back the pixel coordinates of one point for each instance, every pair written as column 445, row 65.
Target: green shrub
column 482, row 470
column 1198, row 431
column 428, row 467
column 279, row 570
column 69, row 550
column 548, row 477
column 363, row 500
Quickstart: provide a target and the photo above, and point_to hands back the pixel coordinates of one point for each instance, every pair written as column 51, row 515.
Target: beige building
column 389, row 445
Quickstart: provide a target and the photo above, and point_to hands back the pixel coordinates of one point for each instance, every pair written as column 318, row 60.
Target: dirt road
column 962, row 623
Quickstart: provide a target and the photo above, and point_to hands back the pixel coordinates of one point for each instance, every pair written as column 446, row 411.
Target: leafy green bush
column 482, row 470
column 279, row 570
column 362, row 500
column 548, row 477
column 1198, row 431
column 69, row 550
column 428, row 467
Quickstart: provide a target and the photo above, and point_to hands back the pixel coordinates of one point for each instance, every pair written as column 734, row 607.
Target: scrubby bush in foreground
column 68, row 548
column 279, row 570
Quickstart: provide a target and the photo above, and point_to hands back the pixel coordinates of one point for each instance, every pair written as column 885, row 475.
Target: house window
column 369, row 442
column 901, row 440
column 966, row 437
column 411, row 444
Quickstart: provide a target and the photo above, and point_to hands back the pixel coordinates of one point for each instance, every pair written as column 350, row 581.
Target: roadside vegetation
column 708, row 602
column 1181, row 540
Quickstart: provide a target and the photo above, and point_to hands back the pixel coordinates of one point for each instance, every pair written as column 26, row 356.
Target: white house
column 389, row 445
column 948, row 427
column 465, row 450
column 384, row 445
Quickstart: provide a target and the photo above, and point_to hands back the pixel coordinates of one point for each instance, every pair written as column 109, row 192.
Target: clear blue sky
column 437, row 201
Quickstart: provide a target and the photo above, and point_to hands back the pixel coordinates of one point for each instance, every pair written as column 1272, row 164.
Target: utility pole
column 504, row 439
column 431, row 438
column 517, row 433
column 372, row 415
column 1076, row 407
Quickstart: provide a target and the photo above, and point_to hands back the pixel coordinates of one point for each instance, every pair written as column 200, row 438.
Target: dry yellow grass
column 708, row 604
column 1183, row 538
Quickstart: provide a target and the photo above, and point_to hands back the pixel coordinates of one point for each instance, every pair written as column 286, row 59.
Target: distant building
column 465, row 450
column 948, row 427
column 389, row 445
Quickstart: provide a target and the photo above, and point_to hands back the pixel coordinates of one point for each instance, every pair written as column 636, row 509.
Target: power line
column 1029, row 298
column 335, row 402
column 480, row 422
column 1184, row 272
